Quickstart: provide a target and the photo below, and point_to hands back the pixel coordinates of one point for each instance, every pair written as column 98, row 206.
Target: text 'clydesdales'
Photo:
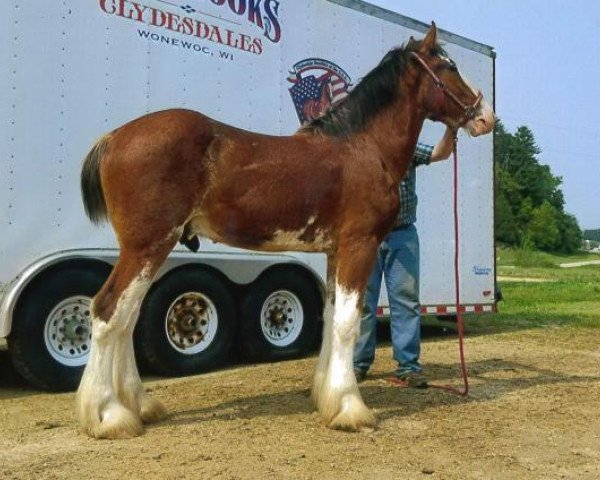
column 261, row 13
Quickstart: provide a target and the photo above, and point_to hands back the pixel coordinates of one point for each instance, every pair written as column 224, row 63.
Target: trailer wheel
column 186, row 323
column 279, row 317
column 51, row 331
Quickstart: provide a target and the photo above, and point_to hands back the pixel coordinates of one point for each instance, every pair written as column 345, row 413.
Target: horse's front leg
column 324, row 356
column 339, row 400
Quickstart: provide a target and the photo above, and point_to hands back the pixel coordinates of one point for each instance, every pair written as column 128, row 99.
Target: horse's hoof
column 114, row 422
column 349, row 423
column 149, row 409
column 152, row 410
column 354, row 417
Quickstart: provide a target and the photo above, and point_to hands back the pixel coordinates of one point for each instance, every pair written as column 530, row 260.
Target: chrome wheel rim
column 68, row 331
column 191, row 323
column 282, row 318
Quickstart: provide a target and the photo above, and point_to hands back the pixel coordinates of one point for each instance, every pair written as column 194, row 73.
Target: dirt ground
column 533, row 413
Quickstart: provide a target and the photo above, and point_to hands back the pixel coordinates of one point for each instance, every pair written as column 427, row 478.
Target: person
column 398, row 262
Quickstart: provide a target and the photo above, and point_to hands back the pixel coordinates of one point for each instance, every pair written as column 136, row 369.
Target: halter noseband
column 468, row 111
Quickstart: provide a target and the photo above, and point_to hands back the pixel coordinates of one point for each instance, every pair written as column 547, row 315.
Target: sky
column 547, row 78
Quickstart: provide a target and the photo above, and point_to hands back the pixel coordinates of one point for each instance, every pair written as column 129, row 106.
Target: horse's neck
column 396, row 131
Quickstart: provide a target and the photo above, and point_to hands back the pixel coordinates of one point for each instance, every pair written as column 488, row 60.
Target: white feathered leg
column 100, row 411
column 339, row 400
column 324, row 356
column 128, row 384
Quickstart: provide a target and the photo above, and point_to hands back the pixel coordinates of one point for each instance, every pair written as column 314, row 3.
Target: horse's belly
column 309, row 238
column 262, row 232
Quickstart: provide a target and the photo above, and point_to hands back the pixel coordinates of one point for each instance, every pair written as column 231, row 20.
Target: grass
column 569, row 297
column 523, row 258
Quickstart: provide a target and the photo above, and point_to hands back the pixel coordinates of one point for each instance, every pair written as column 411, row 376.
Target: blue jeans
column 398, row 262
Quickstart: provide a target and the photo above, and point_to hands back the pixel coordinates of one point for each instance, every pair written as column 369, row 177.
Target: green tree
column 505, row 221
column 570, row 234
column 529, row 201
column 542, row 229
column 508, row 204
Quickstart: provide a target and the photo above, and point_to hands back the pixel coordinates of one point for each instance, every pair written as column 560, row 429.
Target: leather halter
column 469, row 112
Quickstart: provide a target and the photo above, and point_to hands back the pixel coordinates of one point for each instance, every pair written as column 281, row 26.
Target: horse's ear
column 411, row 42
column 430, row 39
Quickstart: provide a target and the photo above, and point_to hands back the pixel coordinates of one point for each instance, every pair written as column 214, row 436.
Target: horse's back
column 164, row 126
column 172, row 165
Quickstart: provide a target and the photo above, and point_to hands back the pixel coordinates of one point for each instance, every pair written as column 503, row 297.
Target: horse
column 179, row 173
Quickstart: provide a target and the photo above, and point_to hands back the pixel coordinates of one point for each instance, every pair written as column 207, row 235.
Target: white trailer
column 75, row 69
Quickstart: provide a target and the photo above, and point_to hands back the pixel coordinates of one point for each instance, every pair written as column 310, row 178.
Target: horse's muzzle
column 483, row 122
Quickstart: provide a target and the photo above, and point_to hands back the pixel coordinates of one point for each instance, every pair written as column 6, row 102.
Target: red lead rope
column 459, row 318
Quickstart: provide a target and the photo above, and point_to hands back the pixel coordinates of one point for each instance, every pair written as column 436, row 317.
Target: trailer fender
column 32, row 272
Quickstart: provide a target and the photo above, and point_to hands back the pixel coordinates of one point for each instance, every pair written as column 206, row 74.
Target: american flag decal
column 316, row 84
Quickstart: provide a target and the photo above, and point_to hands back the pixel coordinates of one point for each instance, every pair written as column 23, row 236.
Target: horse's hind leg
column 127, row 382
column 110, row 398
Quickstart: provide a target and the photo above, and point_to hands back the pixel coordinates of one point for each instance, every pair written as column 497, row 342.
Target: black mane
column 376, row 90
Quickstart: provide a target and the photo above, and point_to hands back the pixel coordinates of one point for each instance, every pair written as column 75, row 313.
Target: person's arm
column 444, row 147
column 425, row 154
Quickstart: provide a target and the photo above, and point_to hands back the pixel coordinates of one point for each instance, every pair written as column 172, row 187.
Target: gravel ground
column 533, row 413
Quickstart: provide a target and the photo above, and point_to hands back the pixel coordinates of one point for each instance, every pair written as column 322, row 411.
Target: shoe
column 413, row 379
column 360, row 375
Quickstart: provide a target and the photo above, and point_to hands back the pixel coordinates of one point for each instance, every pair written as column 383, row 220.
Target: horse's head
column 444, row 94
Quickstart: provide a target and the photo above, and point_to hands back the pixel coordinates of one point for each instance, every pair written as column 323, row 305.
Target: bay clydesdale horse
column 178, row 173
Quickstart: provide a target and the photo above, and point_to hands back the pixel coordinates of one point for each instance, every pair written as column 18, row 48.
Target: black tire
column 280, row 315
column 56, row 301
column 186, row 324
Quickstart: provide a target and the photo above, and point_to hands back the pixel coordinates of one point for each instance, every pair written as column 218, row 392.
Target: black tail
column 91, row 185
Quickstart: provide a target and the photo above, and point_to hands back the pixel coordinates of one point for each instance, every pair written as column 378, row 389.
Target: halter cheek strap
column 442, row 92
column 439, row 100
